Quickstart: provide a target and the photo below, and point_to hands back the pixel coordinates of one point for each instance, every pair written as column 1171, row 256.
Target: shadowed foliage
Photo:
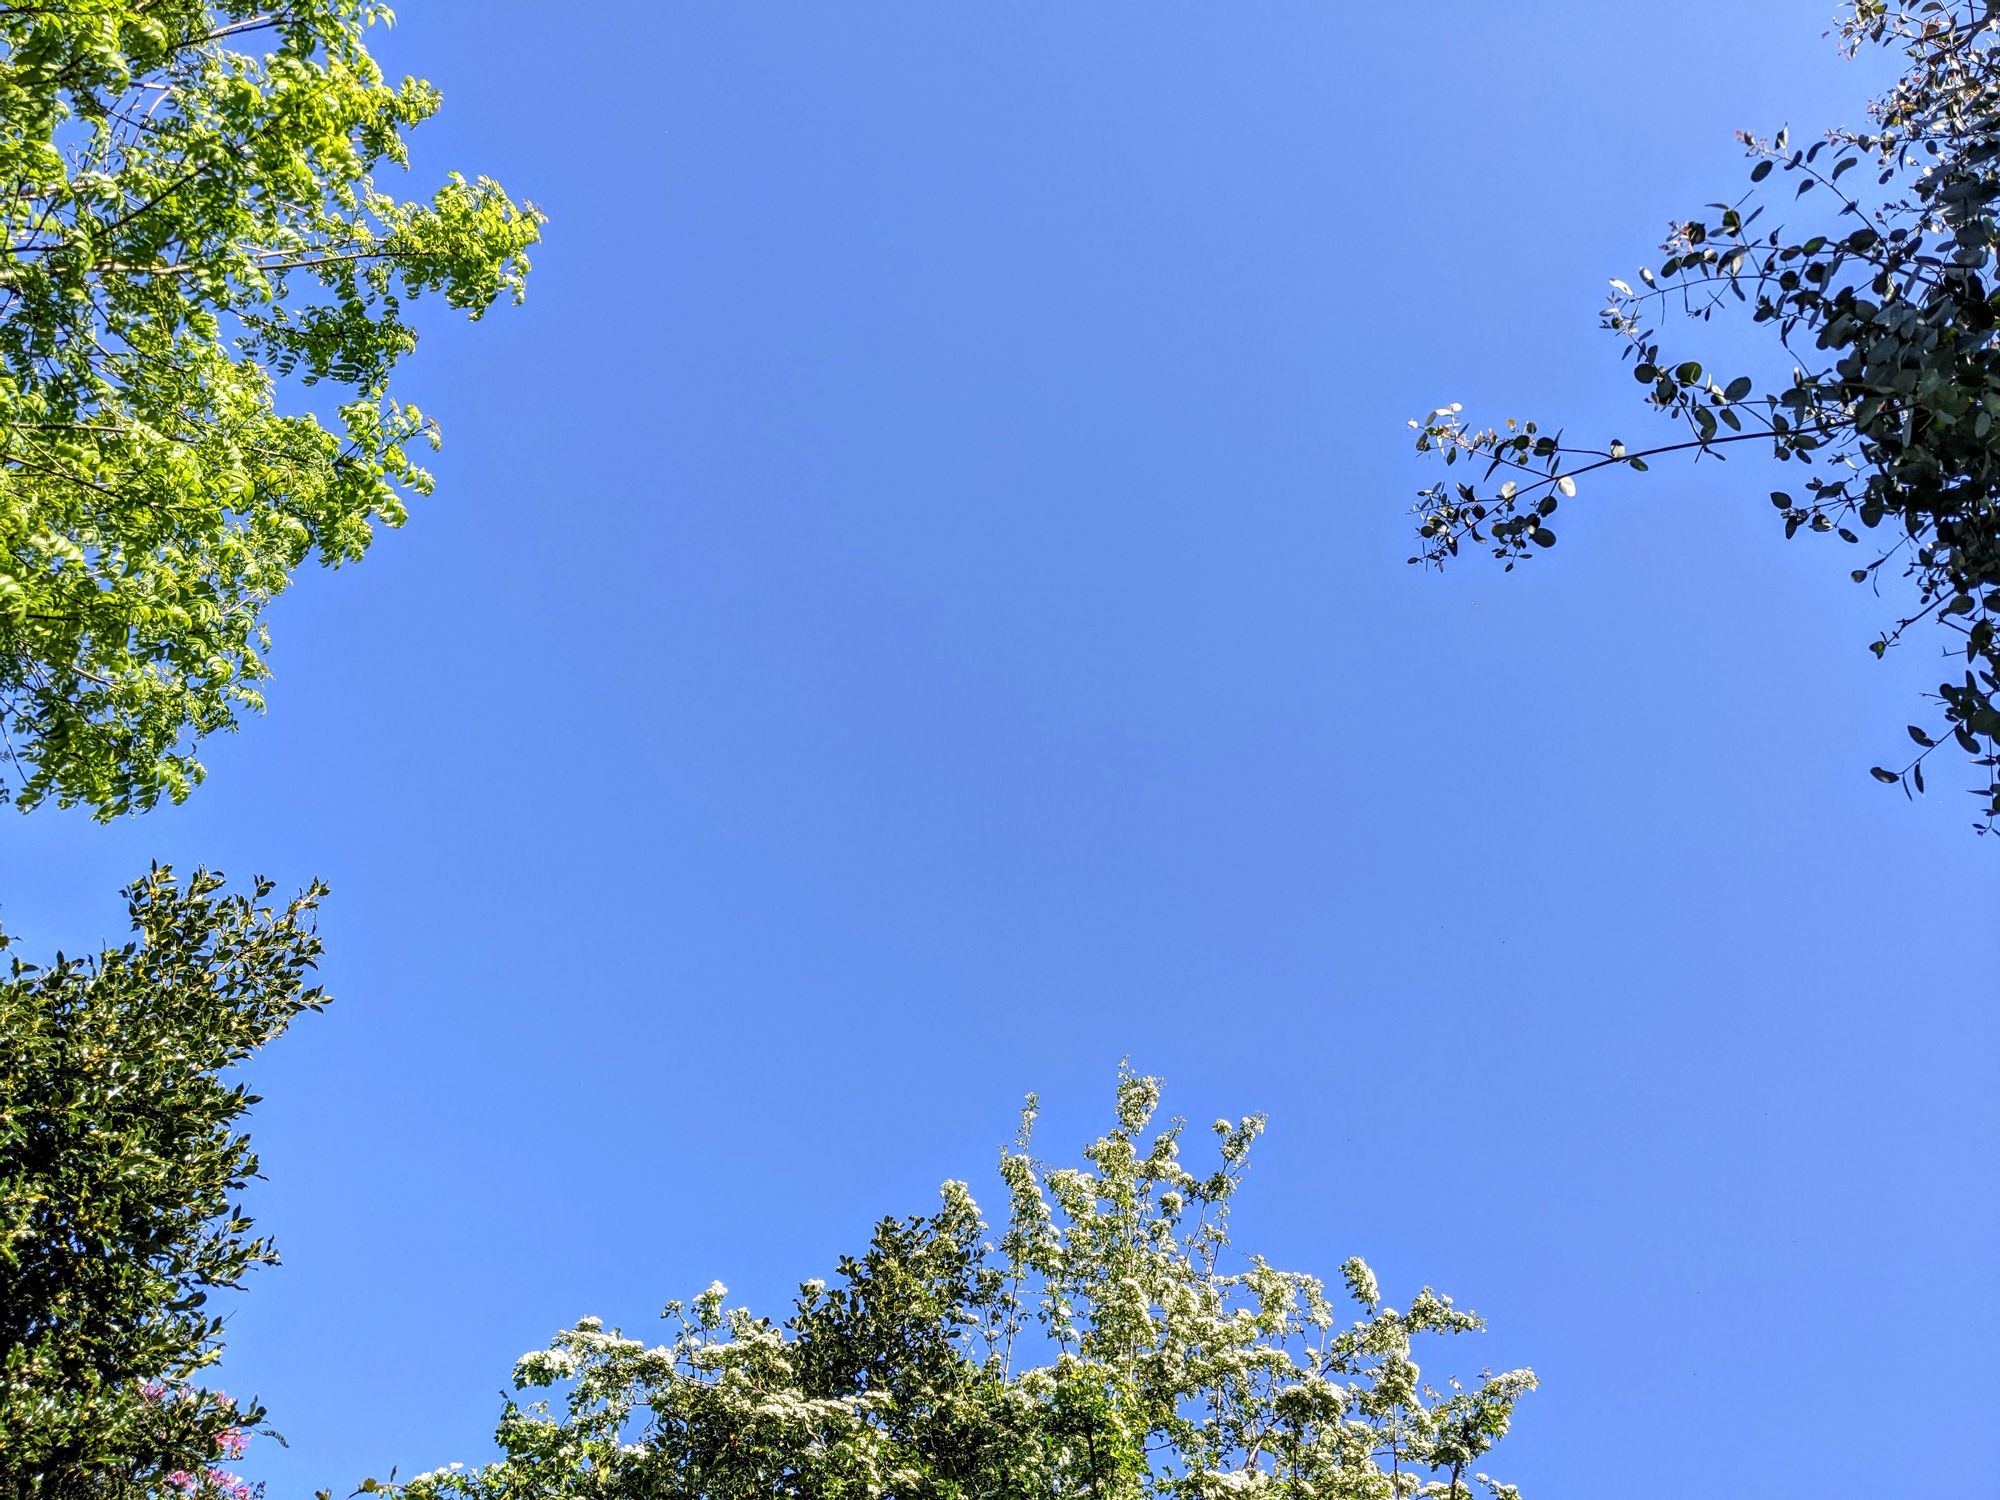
column 1883, row 307
column 121, row 1153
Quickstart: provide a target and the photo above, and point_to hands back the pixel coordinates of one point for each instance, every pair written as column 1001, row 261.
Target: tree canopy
column 1884, row 304
column 1112, row 1343
column 196, row 247
column 120, row 1156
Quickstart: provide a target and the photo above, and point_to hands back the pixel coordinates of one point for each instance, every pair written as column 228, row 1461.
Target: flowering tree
column 189, row 215
column 1884, row 309
column 120, row 1154
column 1111, row 1343
column 212, row 1481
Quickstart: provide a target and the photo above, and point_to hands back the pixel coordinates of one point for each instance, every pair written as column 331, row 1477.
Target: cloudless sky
column 915, row 611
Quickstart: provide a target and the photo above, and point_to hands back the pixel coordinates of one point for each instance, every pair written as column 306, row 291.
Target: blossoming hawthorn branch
column 1111, row 1342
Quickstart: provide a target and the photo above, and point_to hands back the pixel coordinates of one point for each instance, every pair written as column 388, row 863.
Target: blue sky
column 915, row 612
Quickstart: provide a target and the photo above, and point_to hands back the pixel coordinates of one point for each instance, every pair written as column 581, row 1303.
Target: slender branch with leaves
column 1886, row 310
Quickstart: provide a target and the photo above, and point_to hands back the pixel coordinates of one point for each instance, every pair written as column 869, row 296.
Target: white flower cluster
column 1102, row 1329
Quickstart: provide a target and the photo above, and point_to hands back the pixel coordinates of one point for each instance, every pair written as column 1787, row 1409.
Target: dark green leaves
column 121, row 1154
column 1887, row 318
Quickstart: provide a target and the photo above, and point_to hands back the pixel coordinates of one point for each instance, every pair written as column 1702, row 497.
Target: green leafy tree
column 121, row 1151
column 195, row 245
column 1884, row 308
column 1112, row 1343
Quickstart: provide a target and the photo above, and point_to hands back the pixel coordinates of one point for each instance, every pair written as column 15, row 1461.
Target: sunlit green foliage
column 191, row 215
column 1887, row 310
column 120, row 1157
column 1111, row 1343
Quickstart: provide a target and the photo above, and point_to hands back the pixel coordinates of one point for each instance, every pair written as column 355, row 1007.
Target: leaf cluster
column 1887, row 312
column 190, row 229
column 121, row 1152
column 1111, row 1342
